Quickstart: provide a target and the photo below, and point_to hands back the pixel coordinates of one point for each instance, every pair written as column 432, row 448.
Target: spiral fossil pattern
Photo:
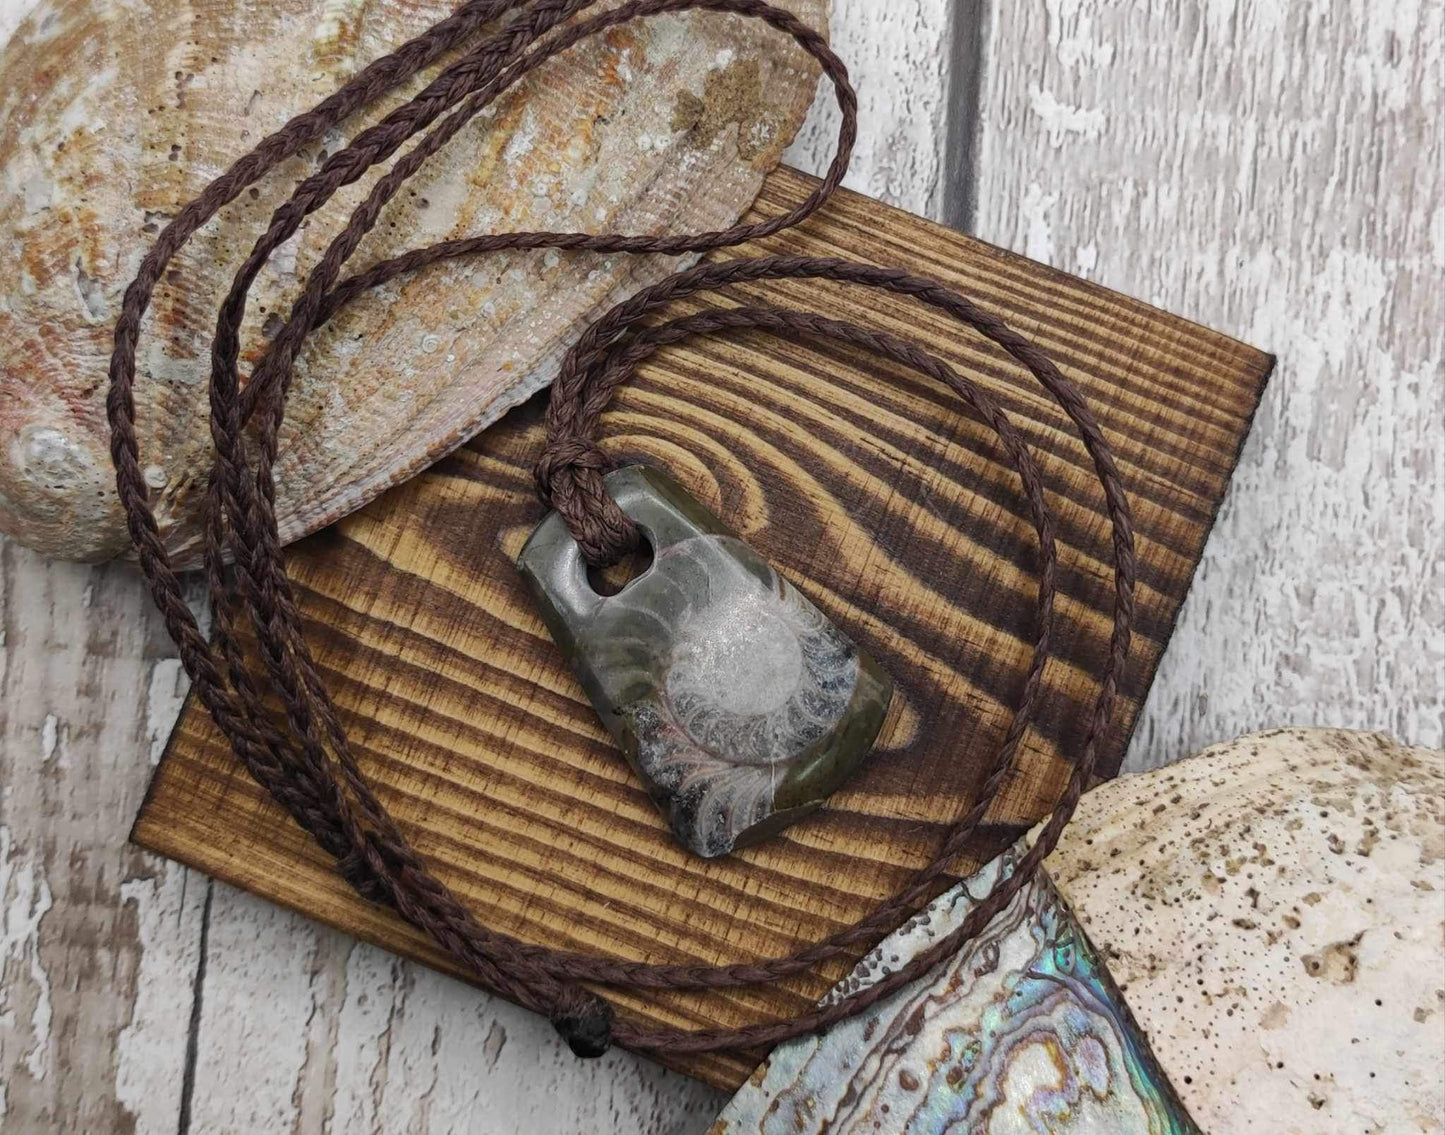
column 739, row 678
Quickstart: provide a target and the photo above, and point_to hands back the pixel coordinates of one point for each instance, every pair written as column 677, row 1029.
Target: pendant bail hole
column 614, row 578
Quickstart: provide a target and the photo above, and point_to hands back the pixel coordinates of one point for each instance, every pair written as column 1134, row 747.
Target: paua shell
column 1275, row 907
column 114, row 114
column 740, row 705
column 1021, row 1031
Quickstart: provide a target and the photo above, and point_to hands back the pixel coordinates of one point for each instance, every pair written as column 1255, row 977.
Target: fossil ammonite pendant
column 738, row 703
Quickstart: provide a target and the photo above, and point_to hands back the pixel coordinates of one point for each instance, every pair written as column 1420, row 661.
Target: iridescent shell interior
column 1022, row 1030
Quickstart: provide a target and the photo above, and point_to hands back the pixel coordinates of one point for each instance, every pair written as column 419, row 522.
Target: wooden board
column 863, row 484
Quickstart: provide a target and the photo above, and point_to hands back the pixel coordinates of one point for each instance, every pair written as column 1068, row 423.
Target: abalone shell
column 115, row 113
column 1021, row 1031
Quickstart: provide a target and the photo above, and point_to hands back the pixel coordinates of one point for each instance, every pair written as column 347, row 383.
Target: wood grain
column 865, row 486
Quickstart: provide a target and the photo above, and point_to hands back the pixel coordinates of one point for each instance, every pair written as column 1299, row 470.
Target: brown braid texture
column 306, row 761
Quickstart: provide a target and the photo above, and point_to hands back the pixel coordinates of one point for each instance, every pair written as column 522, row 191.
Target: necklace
column 307, row 763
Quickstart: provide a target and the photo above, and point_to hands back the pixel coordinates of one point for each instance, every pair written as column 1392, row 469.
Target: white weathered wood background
column 1269, row 167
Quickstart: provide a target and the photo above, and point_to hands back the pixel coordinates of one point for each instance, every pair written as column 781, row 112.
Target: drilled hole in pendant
column 612, row 579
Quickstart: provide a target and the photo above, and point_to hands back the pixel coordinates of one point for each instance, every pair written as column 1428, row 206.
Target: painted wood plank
column 1273, row 169
column 96, row 1026
column 98, row 940
column 899, row 57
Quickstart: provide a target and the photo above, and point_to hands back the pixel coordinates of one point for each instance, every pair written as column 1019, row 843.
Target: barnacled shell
column 113, row 115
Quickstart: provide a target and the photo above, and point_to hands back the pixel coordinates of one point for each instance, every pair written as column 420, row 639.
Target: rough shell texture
column 113, row 114
column 1021, row 1031
column 1274, row 910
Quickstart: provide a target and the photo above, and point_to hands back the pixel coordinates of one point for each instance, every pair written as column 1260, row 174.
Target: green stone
column 738, row 703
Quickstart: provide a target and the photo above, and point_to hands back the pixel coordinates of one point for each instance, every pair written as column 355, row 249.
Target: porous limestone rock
column 115, row 113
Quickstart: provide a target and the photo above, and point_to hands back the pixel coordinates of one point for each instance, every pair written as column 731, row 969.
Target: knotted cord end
column 584, row 1020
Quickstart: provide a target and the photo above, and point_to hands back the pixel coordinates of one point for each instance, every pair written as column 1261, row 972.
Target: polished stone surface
column 740, row 705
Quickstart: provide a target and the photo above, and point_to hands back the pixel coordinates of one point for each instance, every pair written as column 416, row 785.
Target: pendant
column 737, row 702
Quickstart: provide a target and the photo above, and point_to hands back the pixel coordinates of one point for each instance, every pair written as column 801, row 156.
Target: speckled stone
column 1274, row 908
column 738, row 703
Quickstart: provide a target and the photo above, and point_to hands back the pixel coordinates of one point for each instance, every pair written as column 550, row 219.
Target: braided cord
column 309, row 765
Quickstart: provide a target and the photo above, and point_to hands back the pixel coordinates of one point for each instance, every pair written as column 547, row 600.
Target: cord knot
column 569, row 477
column 584, row 1021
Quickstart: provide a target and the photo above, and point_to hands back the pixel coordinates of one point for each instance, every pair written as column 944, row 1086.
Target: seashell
column 1021, row 1030
column 738, row 702
column 1272, row 907
column 113, row 115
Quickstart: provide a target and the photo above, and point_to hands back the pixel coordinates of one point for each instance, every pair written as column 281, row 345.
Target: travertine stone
column 114, row 114
column 738, row 702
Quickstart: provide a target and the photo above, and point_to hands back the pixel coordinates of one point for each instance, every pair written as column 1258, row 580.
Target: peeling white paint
column 1062, row 120
column 1257, row 170
column 167, row 907
column 896, row 55
column 259, row 995
column 164, row 697
column 1035, row 217
column 1072, row 35
column 417, row 1051
column 49, row 737
column 25, row 993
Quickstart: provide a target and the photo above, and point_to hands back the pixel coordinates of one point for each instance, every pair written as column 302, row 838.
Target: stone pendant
column 738, row 703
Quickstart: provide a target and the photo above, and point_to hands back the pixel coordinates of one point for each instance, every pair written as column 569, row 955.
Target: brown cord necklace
column 307, row 764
